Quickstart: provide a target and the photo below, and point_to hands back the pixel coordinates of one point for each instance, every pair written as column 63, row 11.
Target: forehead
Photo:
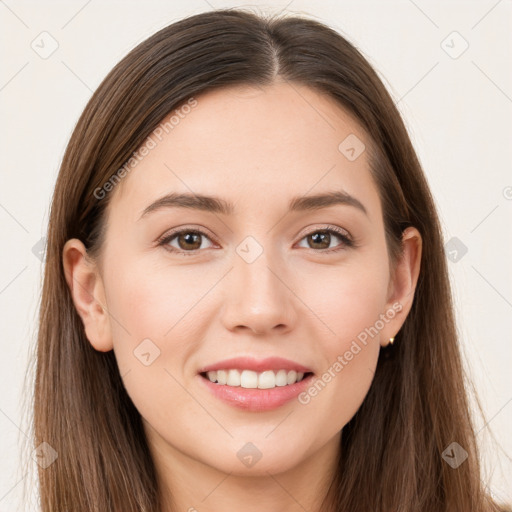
column 254, row 146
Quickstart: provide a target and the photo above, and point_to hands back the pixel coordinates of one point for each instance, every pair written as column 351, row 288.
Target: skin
column 256, row 148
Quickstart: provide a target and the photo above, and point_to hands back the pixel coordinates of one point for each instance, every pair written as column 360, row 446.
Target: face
column 308, row 284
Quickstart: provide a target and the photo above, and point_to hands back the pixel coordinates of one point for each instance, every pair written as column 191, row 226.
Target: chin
column 258, row 458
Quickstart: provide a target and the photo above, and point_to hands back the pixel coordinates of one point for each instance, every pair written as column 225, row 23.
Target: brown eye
column 321, row 239
column 189, row 241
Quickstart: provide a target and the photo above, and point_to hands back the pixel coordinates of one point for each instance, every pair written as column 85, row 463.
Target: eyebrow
column 218, row 205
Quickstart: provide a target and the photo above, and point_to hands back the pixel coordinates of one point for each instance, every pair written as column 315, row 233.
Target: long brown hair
column 391, row 454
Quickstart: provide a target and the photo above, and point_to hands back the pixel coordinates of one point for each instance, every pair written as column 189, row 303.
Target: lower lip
column 256, row 400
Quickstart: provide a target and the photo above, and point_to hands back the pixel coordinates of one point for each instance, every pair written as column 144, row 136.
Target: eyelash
column 347, row 241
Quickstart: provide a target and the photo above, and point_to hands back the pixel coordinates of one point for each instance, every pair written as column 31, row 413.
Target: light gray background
column 457, row 108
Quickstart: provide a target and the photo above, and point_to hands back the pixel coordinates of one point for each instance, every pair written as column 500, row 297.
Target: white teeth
column 291, row 377
column 267, row 380
column 252, row 380
column 281, row 378
column 233, row 378
column 249, row 379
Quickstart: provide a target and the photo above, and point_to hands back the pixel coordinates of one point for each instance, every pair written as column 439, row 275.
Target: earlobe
column 87, row 291
column 404, row 282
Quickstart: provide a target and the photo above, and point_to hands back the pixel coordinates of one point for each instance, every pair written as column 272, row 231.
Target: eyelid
column 324, row 227
column 185, row 229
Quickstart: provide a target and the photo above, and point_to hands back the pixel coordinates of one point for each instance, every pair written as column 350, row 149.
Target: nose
column 258, row 297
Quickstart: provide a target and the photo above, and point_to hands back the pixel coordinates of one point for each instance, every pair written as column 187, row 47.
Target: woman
column 303, row 355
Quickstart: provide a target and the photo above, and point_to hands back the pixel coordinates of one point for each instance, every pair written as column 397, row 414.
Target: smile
column 249, row 379
column 245, row 389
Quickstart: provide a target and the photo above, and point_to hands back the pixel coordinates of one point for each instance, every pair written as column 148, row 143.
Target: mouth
column 249, row 379
column 253, row 391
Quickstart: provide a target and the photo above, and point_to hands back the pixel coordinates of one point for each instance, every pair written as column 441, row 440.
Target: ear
column 87, row 291
column 403, row 284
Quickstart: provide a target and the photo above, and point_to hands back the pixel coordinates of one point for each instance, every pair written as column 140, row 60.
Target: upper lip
column 257, row 365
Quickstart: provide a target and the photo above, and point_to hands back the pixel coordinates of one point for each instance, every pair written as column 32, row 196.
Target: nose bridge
column 257, row 298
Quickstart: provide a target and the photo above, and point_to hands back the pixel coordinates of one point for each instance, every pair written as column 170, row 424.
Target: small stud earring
column 391, row 340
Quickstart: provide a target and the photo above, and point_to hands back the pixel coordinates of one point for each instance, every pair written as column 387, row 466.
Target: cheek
column 350, row 304
column 154, row 302
column 348, row 299
column 347, row 382
column 339, row 389
column 152, row 342
column 158, row 321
